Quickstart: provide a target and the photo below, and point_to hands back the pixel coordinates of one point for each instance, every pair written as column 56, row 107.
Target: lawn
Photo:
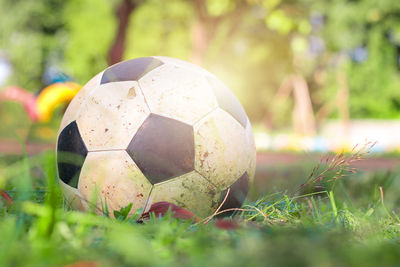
column 340, row 217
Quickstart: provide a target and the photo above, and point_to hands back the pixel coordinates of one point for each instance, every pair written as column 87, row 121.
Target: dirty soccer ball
column 155, row 129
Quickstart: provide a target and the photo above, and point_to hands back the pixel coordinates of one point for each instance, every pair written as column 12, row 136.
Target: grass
column 334, row 217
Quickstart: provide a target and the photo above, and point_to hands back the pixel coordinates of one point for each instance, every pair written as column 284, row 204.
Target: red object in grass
column 20, row 95
column 6, row 197
column 160, row 208
column 226, row 224
column 83, row 264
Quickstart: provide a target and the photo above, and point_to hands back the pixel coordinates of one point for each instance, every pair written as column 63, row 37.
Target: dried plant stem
column 206, row 220
column 339, row 164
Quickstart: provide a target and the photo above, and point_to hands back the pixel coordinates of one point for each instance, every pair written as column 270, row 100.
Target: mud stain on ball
column 131, row 93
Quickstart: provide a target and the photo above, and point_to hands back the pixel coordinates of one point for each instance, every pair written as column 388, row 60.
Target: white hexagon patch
column 111, row 116
column 112, row 179
column 189, row 191
column 178, row 93
column 220, row 149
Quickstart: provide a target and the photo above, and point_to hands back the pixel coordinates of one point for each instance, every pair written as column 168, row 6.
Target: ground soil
column 369, row 163
column 263, row 158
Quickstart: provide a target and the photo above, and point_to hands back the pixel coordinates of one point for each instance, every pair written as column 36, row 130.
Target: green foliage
column 160, row 28
column 90, row 28
column 251, row 45
column 122, row 214
column 29, row 33
column 373, row 82
column 376, row 82
column 31, row 36
column 346, row 225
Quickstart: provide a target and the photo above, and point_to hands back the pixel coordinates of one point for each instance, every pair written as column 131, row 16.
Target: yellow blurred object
column 294, row 143
column 45, row 132
column 54, row 95
column 344, row 147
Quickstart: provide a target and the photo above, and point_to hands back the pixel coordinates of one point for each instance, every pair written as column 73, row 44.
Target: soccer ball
column 155, row 129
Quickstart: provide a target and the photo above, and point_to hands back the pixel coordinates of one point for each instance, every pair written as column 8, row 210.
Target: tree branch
column 123, row 13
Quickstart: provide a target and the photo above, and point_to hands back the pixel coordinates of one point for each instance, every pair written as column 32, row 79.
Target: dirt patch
column 371, row 163
column 15, row 148
column 263, row 158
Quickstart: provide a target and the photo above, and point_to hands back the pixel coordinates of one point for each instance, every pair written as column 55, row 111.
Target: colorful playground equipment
column 40, row 107
column 334, row 136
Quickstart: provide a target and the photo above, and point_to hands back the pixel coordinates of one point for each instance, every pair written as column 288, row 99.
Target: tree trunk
column 200, row 41
column 203, row 32
column 303, row 115
column 205, row 29
column 342, row 102
column 123, row 14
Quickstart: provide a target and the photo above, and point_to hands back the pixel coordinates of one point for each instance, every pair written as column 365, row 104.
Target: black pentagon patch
column 71, row 153
column 130, row 70
column 163, row 148
column 237, row 195
column 228, row 101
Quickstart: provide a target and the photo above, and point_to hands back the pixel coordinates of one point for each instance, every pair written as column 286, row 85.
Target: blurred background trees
column 315, row 59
